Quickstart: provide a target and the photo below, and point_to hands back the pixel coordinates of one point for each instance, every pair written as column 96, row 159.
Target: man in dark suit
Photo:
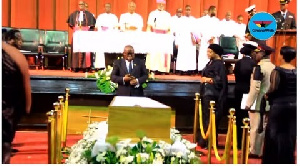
column 284, row 18
column 243, row 70
column 129, row 73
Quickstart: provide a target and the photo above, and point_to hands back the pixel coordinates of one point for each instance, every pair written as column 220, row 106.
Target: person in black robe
column 16, row 95
column 281, row 129
column 242, row 71
column 284, row 18
column 129, row 73
column 79, row 60
column 213, row 87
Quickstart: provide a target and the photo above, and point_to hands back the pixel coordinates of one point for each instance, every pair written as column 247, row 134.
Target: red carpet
column 32, row 148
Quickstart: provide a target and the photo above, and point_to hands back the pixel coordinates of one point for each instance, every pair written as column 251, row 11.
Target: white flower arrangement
column 95, row 148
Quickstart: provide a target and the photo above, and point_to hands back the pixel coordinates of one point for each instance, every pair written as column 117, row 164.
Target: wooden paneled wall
column 52, row 14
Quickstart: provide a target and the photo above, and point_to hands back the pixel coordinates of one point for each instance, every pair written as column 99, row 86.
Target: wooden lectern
column 282, row 38
column 127, row 115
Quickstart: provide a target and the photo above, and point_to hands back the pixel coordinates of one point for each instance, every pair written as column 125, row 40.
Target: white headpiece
column 250, row 8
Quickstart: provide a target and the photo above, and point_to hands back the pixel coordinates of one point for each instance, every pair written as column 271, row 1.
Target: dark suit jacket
column 139, row 71
column 288, row 23
column 242, row 71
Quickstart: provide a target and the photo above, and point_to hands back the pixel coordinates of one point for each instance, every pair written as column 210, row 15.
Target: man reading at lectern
column 129, row 73
column 284, row 18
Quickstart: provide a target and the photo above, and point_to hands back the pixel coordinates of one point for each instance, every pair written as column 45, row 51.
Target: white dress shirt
column 127, row 66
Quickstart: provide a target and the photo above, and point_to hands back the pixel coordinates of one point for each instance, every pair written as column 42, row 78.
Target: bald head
column 205, row 12
column 131, row 7
column 107, row 8
column 81, row 5
column 86, row 6
column 179, row 12
column 228, row 16
column 128, row 53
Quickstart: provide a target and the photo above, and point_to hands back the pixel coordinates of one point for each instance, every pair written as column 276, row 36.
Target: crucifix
column 90, row 117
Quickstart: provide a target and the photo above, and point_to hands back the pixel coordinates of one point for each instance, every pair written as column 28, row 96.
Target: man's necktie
column 283, row 15
column 130, row 67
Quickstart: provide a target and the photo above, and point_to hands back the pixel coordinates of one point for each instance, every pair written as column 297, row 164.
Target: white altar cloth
column 114, row 42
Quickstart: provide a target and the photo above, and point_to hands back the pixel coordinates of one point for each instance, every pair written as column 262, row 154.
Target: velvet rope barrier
column 204, row 135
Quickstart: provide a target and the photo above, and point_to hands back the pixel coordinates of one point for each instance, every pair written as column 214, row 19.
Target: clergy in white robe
column 175, row 21
column 186, row 42
column 159, row 21
column 209, row 32
column 175, row 24
column 131, row 21
column 228, row 26
column 105, row 22
column 240, row 33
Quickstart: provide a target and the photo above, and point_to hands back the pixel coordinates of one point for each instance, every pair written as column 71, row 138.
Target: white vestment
column 228, row 28
column 208, row 27
column 186, row 58
column 160, row 21
column 104, row 22
column 127, row 20
column 240, row 36
column 175, row 24
column 107, row 21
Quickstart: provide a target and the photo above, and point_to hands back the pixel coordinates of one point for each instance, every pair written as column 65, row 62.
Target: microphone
column 283, row 25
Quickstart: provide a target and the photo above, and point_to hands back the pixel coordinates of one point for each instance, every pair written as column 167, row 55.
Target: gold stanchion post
column 234, row 141
column 65, row 119
column 212, row 105
column 245, row 140
column 197, row 98
column 230, row 123
column 51, row 137
column 58, row 132
column 62, row 107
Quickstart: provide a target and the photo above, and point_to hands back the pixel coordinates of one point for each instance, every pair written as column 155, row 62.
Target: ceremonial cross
column 89, row 116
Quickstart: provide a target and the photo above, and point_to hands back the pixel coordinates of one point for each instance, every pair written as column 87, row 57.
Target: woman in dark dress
column 213, row 88
column 16, row 95
column 280, row 136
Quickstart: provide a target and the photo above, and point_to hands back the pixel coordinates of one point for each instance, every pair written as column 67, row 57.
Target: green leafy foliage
column 140, row 134
column 104, row 83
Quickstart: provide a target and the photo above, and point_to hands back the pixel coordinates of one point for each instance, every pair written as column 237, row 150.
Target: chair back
column 229, row 46
column 31, row 39
column 55, row 41
column 228, row 42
